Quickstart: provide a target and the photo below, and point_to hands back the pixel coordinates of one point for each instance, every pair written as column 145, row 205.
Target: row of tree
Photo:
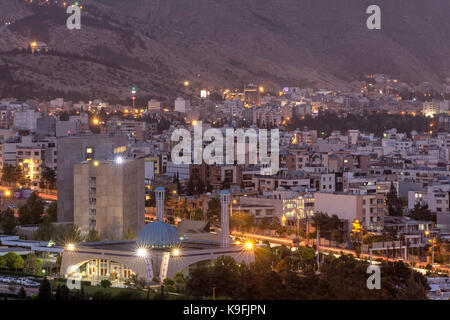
column 292, row 275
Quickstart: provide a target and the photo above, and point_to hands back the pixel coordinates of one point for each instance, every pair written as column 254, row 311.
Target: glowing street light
column 186, row 83
column 70, row 247
column 7, row 193
column 141, row 252
column 119, row 160
column 176, row 252
column 96, row 121
column 249, row 245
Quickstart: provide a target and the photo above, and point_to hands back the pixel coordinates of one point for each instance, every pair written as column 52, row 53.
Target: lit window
column 88, row 150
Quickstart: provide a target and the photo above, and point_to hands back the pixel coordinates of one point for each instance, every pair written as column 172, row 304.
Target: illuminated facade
column 252, row 94
column 32, row 162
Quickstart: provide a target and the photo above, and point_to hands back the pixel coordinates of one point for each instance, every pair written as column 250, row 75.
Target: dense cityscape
column 214, row 192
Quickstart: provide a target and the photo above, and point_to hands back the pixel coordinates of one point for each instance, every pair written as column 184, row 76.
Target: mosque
column 160, row 251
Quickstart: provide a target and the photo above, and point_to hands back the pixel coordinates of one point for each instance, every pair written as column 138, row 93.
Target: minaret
column 159, row 194
column 225, row 206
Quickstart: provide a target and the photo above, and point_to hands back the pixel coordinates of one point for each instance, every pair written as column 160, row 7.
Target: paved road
column 4, row 288
column 334, row 250
column 45, row 196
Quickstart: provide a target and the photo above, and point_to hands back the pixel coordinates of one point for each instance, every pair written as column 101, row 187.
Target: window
column 89, row 150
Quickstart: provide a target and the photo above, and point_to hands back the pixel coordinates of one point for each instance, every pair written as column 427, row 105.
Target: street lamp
column 176, row 252
column 141, row 252
column 249, row 245
column 119, row 160
column 70, row 247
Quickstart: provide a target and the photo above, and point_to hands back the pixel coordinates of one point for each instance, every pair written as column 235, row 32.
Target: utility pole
column 432, row 251
column 318, row 247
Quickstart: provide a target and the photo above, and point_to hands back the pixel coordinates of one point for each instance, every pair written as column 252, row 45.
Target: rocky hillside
column 158, row 44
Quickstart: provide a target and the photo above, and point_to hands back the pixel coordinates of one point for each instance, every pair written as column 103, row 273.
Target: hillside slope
column 157, row 44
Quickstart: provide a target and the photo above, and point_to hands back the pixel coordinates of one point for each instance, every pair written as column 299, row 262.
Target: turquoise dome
column 158, row 234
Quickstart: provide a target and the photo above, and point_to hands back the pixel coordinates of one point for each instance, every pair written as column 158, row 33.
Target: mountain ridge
column 212, row 43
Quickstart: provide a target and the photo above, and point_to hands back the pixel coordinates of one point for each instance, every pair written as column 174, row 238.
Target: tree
column 199, row 284
column 22, row 294
column 8, row 222
column 105, row 284
column 11, row 174
column 421, row 212
column 45, row 290
column 31, row 212
column 190, row 187
column 32, row 265
column 393, row 202
column 13, row 261
column 93, row 236
column 48, row 178
column 69, row 234
column 330, row 227
column 45, row 231
column 129, row 234
column 197, row 214
column 52, row 212
column 213, row 208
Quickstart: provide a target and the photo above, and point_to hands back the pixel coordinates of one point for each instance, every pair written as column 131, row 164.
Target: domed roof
column 158, row 234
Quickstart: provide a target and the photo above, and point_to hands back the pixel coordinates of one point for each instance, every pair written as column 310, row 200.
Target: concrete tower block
column 159, row 193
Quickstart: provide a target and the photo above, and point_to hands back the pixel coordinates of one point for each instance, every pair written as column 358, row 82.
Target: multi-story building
column 109, row 196
column 370, row 209
column 75, row 149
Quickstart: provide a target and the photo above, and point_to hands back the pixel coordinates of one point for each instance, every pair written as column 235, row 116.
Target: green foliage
column 32, row 265
column 129, row 234
column 422, row 213
column 328, row 121
column 8, row 222
column 93, row 236
column 11, row 174
column 68, row 234
column 330, row 227
column 242, row 221
column 275, row 275
column 197, row 214
column 45, row 290
column 45, row 231
column 393, row 203
column 13, row 261
column 22, row 294
column 31, row 212
column 48, row 178
column 213, row 208
column 105, row 284
column 52, row 211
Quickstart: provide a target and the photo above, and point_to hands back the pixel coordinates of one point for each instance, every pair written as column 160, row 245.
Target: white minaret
column 159, row 193
column 225, row 206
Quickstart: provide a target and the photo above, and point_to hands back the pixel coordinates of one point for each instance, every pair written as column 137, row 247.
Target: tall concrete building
column 76, row 149
column 109, row 197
